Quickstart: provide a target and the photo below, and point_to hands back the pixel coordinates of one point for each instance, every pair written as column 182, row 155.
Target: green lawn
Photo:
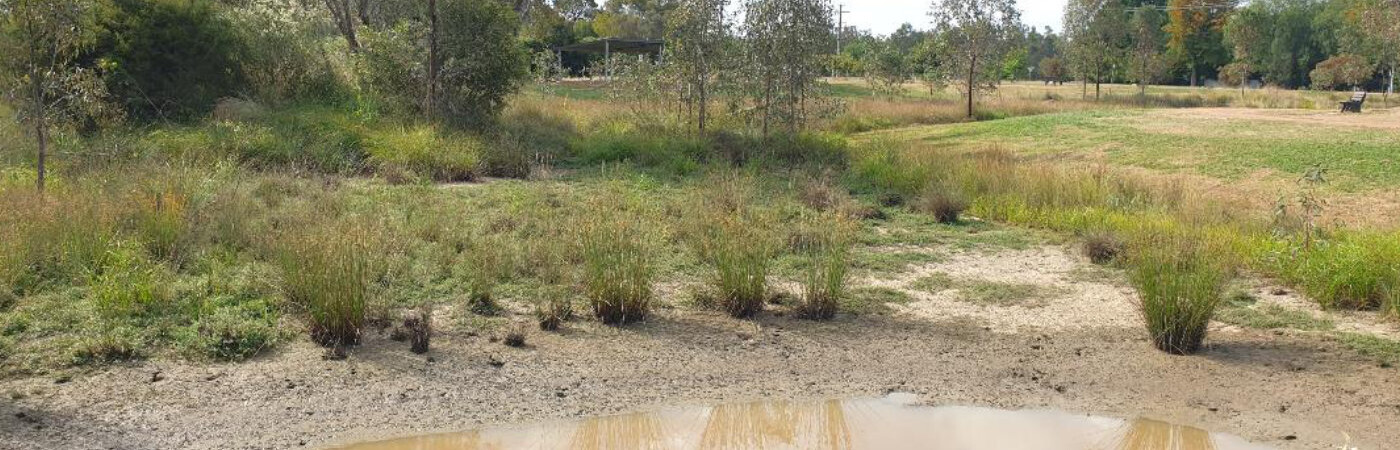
column 1357, row 159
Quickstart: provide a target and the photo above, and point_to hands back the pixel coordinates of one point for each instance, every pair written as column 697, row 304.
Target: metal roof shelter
column 608, row 46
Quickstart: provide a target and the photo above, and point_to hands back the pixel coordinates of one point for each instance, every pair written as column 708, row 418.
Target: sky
column 884, row 16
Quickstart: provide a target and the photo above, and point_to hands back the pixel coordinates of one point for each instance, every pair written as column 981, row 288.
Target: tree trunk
column 429, row 103
column 340, row 12
column 41, row 131
column 364, row 12
column 1193, row 75
column 702, row 98
column 971, row 84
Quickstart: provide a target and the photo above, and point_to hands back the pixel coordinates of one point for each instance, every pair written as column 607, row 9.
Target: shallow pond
column 892, row 422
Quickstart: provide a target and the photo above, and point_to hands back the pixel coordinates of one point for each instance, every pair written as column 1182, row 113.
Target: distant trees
column 1196, row 28
column 976, row 33
column 1279, row 39
column 1052, row 70
column 459, row 72
column 1342, row 71
column 1147, row 63
column 1097, row 31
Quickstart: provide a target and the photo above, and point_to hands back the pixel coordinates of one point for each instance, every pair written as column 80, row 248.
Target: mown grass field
column 1274, row 147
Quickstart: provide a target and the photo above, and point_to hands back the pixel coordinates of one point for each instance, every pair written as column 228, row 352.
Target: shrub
column 945, row 206
column 326, row 271
column 828, row 266
column 168, row 59
column 1102, row 248
column 616, row 265
column 1180, row 286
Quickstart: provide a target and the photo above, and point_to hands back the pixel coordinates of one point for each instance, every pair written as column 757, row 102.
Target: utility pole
column 840, row 31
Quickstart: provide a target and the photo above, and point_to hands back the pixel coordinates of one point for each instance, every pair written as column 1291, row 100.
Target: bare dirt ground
column 1079, row 349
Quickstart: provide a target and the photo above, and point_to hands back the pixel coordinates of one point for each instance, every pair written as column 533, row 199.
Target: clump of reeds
column 1180, row 285
column 326, row 271
column 828, row 253
column 515, row 336
column 483, row 261
column 733, row 237
column 617, row 269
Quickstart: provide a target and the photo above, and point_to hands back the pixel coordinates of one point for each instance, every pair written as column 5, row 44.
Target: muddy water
column 885, row 423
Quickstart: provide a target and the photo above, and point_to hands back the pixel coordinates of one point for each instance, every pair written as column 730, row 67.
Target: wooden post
column 607, row 59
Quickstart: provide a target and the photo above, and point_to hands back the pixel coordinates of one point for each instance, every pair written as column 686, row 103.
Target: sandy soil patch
column 1066, row 300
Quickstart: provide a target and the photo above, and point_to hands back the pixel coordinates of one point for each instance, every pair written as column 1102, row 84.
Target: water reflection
column 886, row 423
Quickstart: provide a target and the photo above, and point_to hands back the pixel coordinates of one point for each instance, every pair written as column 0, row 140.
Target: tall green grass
column 1342, row 269
column 617, row 263
column 327, row 271
column 827, row 251
column 1180, row 287
column 735, row 239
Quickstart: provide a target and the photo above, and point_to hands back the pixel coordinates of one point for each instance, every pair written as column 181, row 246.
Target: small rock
column 1279, row 291
column 1290, row 438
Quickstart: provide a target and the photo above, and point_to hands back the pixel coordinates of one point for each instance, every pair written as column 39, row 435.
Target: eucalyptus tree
column 977, row 35
column 1148, row 41
column 42, row 42
column 786, row 47
column 1098, row 32
column 697, row 36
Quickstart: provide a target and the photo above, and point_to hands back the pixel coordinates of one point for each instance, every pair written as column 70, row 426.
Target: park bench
column 1354, row 105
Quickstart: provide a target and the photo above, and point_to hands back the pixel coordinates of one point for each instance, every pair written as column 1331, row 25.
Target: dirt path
column 1074, row 351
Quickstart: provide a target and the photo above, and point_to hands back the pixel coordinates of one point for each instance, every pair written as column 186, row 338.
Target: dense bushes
column 168, row 59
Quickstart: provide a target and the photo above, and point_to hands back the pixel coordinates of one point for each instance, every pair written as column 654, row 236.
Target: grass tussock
column 327, row 272
column 733, row 236
column 1102, row 248
column 828, row 258
column 1180, row 286
column 617, row 262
